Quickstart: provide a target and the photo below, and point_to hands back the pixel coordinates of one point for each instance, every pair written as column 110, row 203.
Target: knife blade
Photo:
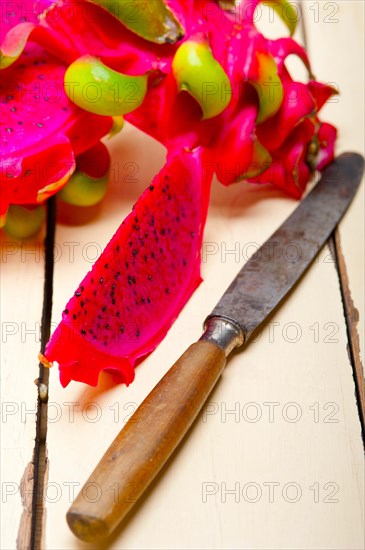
column 154, row 431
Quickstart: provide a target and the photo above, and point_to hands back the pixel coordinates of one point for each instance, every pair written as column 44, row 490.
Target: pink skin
column 42, row 130
column 229, row 145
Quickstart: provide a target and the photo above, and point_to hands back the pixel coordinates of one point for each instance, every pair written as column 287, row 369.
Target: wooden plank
column 21, row 306
column 275, row 459
column 325, row 22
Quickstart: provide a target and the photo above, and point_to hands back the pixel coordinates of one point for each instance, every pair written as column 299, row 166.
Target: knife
column 156, row 428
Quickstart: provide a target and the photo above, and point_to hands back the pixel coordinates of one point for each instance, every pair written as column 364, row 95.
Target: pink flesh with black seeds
column 128, row 301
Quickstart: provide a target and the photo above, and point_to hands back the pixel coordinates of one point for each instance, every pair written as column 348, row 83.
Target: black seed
column 136, row 227
column 113, row 286
column 122, row 329
column 184, row 262
column 101, row 280
column 163, row 231
column 135, row 252
column 117, row 248
column 104, row 309
column 167, row 291
column 150, row 277
column 106, row 266
column 148, row 301
column 113, row 301
column 83, row 331
column 94, row 293
column 74, row 316
column 107, row 326
column 66, row 312
column 77, row 293
column 136, row 219
column 116, row 276
column 126, row 265
column 82, row 303
column 9, row 130
column 20, row 122
column 137, row 333
column 82, row 288
column 151, row 188
column 117, row 313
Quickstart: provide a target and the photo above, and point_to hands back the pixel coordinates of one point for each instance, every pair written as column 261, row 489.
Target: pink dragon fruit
column 222, row 101
column 42, row 132
column 141, row 281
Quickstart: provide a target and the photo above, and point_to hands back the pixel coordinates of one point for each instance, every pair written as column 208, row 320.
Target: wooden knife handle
column 146, row 442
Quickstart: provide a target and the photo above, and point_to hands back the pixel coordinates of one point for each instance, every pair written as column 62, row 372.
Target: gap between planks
column 352, row 318
column 350, row 312
column 32, row 523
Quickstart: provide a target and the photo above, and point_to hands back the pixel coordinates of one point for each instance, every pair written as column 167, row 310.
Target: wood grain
column 146, row 443
column 22, row 273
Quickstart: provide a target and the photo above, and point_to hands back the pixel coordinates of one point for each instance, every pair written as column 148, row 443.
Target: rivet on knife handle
column 152, row 434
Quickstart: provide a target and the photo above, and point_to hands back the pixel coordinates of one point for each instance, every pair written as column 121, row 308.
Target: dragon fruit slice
column 127, row 302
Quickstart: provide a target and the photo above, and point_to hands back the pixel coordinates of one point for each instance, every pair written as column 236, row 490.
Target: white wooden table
column 275, row 460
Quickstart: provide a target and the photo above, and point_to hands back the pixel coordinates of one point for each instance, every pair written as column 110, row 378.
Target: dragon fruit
column 150, row 266
column 42, row 132
column 217, row 94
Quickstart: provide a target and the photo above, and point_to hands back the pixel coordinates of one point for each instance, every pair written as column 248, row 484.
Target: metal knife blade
column 154, row 431
column 275, row 268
